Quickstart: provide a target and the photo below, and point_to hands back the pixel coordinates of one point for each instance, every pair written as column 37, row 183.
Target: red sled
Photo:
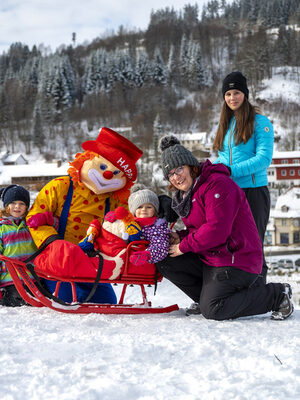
column 129, row 274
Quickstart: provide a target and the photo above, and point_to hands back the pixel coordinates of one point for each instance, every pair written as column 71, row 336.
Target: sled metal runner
column 20, row 273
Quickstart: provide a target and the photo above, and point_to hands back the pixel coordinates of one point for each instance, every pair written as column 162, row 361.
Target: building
column 195, row 142
column 12, row 159
column 285, row 169
column 32, row 176
column 284, row 225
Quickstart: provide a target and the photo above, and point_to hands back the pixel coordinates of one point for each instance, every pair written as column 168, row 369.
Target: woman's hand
column 174, row 250
column 174, row 238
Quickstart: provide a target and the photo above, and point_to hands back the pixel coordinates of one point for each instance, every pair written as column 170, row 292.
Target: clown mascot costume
column 98, row 182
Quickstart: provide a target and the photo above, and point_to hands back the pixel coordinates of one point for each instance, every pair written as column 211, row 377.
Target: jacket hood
column 12, row 221
column 207, row 168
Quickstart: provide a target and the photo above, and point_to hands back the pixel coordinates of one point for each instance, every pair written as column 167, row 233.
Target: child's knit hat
column 141, row 195
column 14, row 193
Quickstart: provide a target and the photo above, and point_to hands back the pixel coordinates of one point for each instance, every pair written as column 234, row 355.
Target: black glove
column 165, row 209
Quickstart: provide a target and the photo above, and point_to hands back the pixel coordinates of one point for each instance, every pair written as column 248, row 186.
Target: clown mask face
column 101, row 176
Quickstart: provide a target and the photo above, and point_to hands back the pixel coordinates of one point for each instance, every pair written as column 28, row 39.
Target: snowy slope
column 49, row 355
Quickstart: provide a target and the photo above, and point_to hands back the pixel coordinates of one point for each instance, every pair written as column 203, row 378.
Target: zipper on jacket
column 230, row 251
column 253, row 179
column 229, row 144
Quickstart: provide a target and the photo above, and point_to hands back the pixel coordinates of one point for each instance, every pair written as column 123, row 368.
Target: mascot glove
column 140, row 257
column 125, row 235
column 86, row 245
column 110, row 216
column 39, row 219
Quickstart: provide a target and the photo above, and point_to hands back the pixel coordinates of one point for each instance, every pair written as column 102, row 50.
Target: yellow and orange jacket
column 85, row 206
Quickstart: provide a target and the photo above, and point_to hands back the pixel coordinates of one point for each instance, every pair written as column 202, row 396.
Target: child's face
column 145, row 211
column 17, row 208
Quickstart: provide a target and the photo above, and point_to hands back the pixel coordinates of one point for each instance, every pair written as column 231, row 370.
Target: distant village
column 283, row 175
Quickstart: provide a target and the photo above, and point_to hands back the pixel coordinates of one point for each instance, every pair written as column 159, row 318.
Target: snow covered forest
column 50, row 100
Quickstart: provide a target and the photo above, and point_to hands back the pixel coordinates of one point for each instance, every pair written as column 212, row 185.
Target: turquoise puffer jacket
column 249, row 162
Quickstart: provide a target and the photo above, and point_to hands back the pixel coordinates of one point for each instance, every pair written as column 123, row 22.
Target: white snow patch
column 50, row 355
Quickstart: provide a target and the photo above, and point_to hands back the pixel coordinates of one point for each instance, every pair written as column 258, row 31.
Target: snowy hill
column 50, row 355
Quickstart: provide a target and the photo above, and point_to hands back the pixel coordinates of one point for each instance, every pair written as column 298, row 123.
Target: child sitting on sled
column 144, row 205
column 15, row 239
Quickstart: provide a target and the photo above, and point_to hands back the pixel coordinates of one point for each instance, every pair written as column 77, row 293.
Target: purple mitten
column 140, row 257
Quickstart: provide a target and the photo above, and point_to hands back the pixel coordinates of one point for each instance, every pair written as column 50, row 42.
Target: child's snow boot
column 11, row 297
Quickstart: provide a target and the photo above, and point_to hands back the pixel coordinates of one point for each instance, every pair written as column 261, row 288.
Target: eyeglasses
column 178, row 171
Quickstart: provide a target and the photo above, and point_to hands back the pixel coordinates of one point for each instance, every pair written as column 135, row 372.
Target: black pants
column 223, row 292
column 259, row 201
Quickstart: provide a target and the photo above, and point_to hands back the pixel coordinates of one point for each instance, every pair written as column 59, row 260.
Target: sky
column 50, row 355
column 52, row 22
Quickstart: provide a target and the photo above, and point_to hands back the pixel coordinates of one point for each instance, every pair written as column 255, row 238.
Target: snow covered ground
column 50, row 355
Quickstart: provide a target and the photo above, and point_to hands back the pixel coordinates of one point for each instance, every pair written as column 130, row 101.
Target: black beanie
column 14, row 193
column 235, row 80
column 175, row 155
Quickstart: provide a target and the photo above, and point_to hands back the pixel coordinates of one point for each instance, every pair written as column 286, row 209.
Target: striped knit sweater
column 15, row 242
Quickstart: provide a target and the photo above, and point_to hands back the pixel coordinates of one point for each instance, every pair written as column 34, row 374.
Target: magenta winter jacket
column 220, row 225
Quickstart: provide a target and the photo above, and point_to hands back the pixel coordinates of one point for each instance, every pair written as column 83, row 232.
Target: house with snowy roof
column 285, row 219
column 13, row 159
column 284, row 170
column 32, row 176
column 195, row 142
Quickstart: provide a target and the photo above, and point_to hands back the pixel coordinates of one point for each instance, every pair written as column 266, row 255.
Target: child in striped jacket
column 15, row 239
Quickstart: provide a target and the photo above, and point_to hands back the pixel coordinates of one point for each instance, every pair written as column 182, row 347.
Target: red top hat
column 117, row 149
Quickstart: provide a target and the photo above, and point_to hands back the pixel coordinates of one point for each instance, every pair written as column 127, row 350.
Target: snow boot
column 194, row 309
column 11, row 297
column 286, row 307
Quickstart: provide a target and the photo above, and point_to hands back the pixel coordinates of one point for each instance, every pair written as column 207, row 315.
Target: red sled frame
column 20, row 273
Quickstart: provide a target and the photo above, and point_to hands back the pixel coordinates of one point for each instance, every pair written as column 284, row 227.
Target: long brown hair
column 244, row 123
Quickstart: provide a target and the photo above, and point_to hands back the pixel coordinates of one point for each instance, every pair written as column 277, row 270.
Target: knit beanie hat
column 235, row 80
column 14, row 193
column 141, row 195
column 175, row 155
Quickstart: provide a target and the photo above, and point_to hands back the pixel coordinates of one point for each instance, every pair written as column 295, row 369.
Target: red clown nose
column 108, row 174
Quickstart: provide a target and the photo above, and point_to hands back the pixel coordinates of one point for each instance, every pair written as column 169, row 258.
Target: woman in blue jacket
column 244, row 142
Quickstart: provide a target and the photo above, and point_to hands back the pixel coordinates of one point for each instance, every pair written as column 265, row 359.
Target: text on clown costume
column 125, row 167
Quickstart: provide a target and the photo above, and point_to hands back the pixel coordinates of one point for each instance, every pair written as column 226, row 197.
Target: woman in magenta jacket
column 217, row 259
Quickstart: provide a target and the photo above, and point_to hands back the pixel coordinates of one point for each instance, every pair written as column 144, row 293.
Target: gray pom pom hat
column 140, row 195
column 175, row 155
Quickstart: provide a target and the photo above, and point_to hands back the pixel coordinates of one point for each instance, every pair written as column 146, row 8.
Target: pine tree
column 158, row 131
column 142, row 73
column 38, row 131
column 172, row 66
column 196, row 71
column 126, row 69
column 183, row 58
column 159, row 71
